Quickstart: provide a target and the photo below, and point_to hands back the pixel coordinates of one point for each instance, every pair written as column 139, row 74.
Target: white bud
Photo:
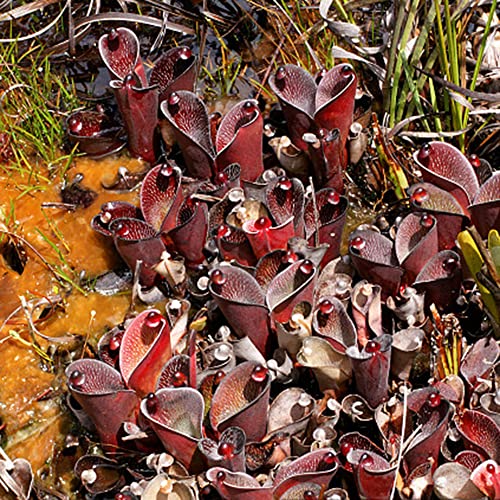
column 222, row 352
column 307, row 351
column 88, row 476
column 304, row 400
column 319, row 434
column 202, row 283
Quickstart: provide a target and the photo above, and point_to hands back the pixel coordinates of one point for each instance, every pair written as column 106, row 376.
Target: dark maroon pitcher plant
column 166, row 220
column 238, row 138
column 284, row 339
column 319, row 116
column 138, row 97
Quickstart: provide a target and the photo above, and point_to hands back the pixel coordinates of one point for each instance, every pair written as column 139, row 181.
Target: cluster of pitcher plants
column 295, row 357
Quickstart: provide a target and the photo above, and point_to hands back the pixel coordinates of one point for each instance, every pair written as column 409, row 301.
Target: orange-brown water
column 33, row 425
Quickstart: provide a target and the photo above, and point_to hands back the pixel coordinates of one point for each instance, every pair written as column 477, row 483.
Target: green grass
column 34, row 101
column 425, row 38
column 438, row 32
column 221, row 79
column 62, row 269
column 484, row 39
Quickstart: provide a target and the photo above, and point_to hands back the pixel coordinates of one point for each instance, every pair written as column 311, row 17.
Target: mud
column 34, row 417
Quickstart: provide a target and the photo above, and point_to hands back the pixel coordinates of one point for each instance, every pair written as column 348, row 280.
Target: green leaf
column 475, row 261
column 494, row 248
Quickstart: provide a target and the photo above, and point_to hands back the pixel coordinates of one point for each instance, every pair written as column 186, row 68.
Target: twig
column 28, row 312
column 306, row 43
column 71, row 29
column 135, row 285
column 315, row 211
column 489, row 97
column 271, row 62
column 411, row 438
column 37, row 33
column 9, row 464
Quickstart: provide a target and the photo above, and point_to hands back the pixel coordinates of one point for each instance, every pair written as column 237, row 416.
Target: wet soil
column 34, row 418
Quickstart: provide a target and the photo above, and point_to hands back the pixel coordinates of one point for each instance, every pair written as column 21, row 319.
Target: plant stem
column 399, row 61
column 480, row 56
